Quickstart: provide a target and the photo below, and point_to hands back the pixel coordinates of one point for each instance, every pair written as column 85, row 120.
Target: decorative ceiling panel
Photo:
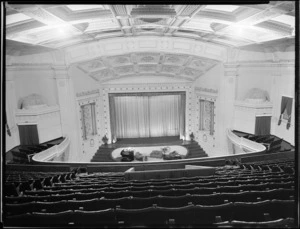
column 153, row 63
column 175, row 59
column 147, row 68
column 170, row 69
column 119, row 60
column 125, row 70
column 147, row 57
column 191, row 72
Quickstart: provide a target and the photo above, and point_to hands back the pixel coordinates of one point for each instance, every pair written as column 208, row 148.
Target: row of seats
column 155, row 190
column 91, row 201
column 241, row 193
column 189, row 214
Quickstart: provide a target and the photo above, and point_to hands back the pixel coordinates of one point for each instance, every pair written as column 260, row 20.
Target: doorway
column 262, row 125
column 28, row 134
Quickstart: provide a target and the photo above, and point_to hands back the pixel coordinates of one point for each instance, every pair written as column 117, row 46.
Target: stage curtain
column 146, row 116
column 182, row 115
column 262, row 125
column 112, row 112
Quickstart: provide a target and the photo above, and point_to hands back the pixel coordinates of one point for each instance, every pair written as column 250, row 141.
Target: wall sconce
column 92, row 142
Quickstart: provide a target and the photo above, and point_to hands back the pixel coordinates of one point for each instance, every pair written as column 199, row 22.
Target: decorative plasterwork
column 24, row 116
column 207, row 90
column 49, row 26
column 87, row 93
column 187, row 67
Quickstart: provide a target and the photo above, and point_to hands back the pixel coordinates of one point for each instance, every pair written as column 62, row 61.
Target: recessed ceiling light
column 285, row 19
column 84, row 7
column 13, row 18
column 226, row 8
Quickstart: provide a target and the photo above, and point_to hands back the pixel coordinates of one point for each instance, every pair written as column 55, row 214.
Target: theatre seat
column 53, row 219
column 173, row 201
column 282, row 209
column 278, row 223
column 138, row 202
column 99, row 219
column 19, row 208
column 145, row 216
column 206, row 215
column 182, row 215
column 22, row 220
column 208, row 199
column 251, row 211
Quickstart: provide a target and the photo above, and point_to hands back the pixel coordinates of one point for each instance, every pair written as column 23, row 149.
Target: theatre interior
column 150, row 116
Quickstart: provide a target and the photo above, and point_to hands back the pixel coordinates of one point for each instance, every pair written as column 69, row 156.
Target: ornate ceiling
column 42, row 28
column 59, row 26
column 181, row 66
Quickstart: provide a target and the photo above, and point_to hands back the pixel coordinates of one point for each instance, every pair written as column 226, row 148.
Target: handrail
column 244, row 143
column 54, row 151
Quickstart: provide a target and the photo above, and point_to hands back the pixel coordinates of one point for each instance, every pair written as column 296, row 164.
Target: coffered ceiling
column 60, row 26
column 181, row 66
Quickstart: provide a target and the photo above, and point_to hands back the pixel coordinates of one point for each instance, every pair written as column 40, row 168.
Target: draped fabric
column 148, row 115
column 88, row 120
column 262, row 125
column 206, row 121
column 6, row 124
column 286, row 107
column 28, row 135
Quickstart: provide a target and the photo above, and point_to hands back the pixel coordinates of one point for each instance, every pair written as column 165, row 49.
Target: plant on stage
column 105, row 140
column 192, row 137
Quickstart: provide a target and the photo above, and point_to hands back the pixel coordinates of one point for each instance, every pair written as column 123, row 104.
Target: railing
column 52, row 152
column 245, row 145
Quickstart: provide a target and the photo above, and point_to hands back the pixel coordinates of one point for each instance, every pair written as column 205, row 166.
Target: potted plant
column 105, row 140
column 192, row 137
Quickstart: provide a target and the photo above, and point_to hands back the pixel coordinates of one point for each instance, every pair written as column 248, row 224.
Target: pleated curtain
column 286, row 104
column 147, row 116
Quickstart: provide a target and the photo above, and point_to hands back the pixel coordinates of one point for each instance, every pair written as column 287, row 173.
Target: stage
column 104, row 152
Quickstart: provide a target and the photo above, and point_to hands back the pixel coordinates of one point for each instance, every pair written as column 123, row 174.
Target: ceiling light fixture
column 156, row 11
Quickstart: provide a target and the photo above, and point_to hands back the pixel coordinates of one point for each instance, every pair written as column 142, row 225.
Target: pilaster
column 68, row 111
column 228, row 91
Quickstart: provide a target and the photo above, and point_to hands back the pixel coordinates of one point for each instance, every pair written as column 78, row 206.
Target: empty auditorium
column 150, row 116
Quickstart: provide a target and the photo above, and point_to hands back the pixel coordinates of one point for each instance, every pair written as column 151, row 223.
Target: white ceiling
column 41, row 28
column 59, row 26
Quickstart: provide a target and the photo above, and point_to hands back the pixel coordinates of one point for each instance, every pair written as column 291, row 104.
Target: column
column 228, row 90
column 68, row 111
column 11, row 106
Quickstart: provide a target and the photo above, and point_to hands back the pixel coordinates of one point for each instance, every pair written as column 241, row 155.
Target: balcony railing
column 245, row 145
column 52, row 152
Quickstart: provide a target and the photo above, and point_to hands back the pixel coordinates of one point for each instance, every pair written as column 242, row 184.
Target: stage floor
column 149, row 141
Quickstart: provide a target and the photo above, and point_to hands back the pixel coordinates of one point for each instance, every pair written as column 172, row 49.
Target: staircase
column 103, row 154
column 195, row 150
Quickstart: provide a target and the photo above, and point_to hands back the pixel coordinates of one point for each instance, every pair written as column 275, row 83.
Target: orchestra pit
column 139, row 116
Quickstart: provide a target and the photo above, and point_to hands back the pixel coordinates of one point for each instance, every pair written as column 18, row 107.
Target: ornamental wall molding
column 38, row 111
column 88, row 93
column 253, row 105
column 199, row 90
column 123, row 46
column 148, row 86
column 262, row 64
column 28, row 67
